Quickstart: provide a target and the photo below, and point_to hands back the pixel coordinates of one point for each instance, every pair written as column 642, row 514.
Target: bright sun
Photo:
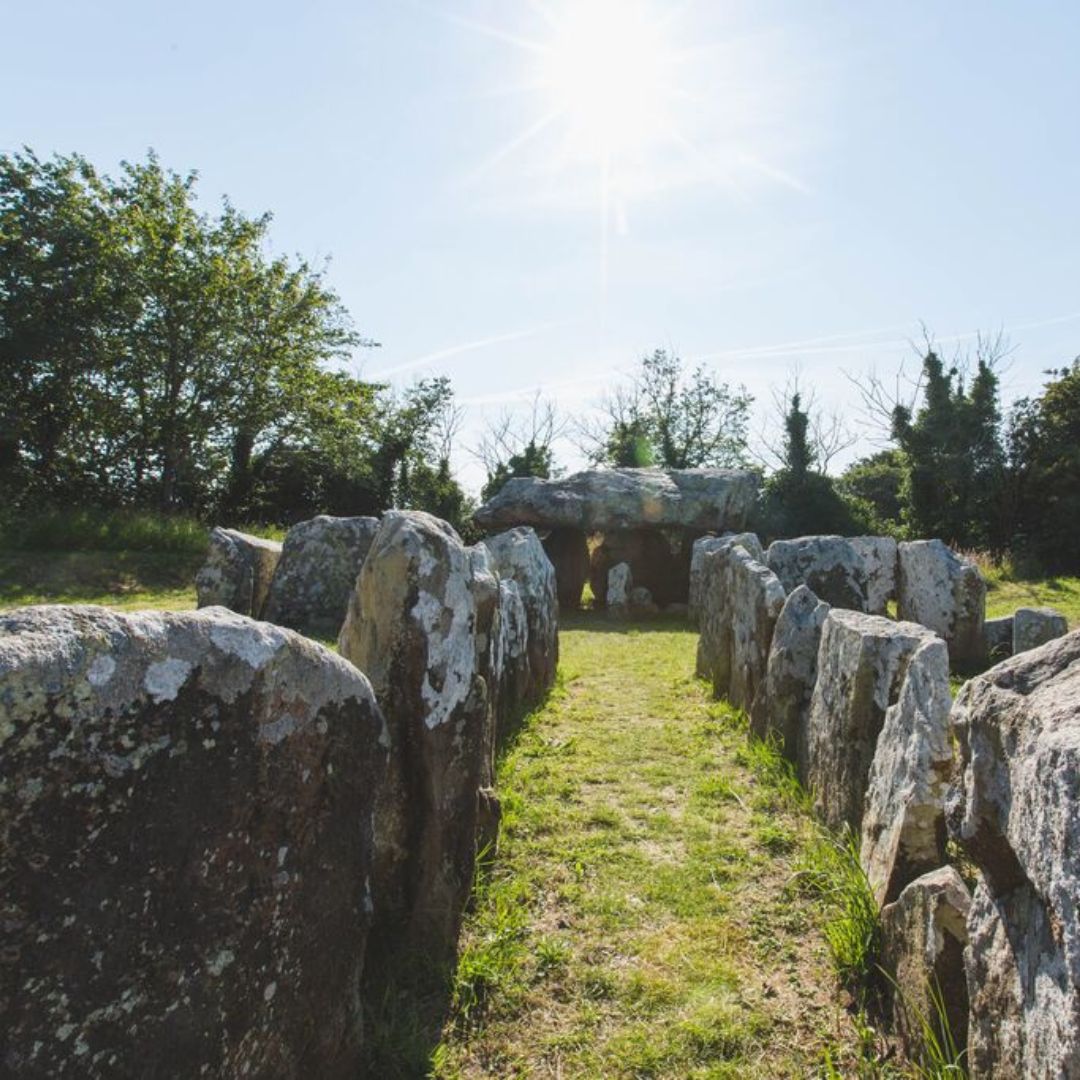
column 606, row 70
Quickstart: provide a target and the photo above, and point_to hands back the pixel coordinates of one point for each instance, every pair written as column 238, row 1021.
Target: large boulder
column 186, row 857
column 923, row 935
column 858, row 573
column 903, row 826
column 782, row 703
column 237, row 572
column 1033, row 627
column 862, row 662
column 518, row 557
column 742, row 601
column 317, row 573
column 420, row 624
column 601, row 499
column 701, row 547
column 940, row 589
column 568, row 552
column 1015, row 812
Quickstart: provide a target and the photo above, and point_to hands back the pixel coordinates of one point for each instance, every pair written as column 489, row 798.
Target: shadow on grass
column 599, row 622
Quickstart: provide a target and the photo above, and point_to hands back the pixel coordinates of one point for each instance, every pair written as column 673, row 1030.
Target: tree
column 875, row 483
column 954, row 455
column 154, row 355
column 517, row 446
column 798, row 499
column 671, row 418
column 1044, row 469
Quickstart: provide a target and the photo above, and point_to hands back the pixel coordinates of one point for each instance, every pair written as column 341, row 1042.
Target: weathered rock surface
column 568, row 552
column 186, row 849
column 237, row 572
column 602, row 499
column 998, row 638
column 939, row 589
column 858, row 573
column 619, row 585
column 862, row 662
column 518, row 557
column 903, row 826
column 1033, row 627
column 741, row 603
column 924, row 933
column 420, row 624
column 1016, row 813
column 701, row 547
column 782, row 703
column 316, row 574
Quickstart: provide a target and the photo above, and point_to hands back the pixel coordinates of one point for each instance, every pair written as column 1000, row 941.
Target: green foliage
column 874, row 485
column 1044, row 452
column 102, row 530
column 798, row 500
column 672, row 418
column 954, row 484
column 533, row 459
column 155, row 355
column 832, row 871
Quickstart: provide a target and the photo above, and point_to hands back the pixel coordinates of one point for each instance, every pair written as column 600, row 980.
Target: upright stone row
column 215, row 830
column 862, row 705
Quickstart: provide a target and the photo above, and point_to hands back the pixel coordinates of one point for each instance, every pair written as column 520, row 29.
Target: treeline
column 158, row 357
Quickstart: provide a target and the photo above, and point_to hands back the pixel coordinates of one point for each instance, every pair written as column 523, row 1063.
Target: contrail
column 455, row 350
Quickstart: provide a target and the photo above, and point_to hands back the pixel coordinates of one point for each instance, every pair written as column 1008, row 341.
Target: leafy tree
column 875, row 483
column 1044, row 458
column 518, row 446
column 670, row 417
column 799, row 500
column 156, row 356
column 955, row 459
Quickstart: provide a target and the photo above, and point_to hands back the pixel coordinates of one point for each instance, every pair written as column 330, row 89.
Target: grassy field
column 641, row 918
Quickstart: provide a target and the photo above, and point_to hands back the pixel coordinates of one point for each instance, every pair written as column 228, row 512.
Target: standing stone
column 941, row 590
column 237, row 572
column 518, row 556
column 781, row 705
column 316, row 575
column 998, row 639
column 186, row 871
column 903, row 827
column 420, row 623
column 857, row 573
column 742, row 601
column 862, row 662
column 923, row 935
column 619, row 586
column 568, row 551
column 1016, row 814
column 701, row 547
column 1033, row 627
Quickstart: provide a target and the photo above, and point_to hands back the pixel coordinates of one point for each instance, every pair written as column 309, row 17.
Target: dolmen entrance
column 647, row 518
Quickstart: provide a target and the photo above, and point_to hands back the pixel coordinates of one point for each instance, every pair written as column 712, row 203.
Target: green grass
column 121, row 579
column 1007, row 589
column 638, row 919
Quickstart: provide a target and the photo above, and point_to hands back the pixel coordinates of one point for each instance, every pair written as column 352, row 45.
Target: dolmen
column 647, row 518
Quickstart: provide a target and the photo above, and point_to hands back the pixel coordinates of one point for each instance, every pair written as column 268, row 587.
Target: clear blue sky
column 777, row 172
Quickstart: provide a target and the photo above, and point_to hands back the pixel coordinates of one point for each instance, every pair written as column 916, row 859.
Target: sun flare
column 607, row 71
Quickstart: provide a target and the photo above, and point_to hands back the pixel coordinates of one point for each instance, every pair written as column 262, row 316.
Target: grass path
column 641, row 917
